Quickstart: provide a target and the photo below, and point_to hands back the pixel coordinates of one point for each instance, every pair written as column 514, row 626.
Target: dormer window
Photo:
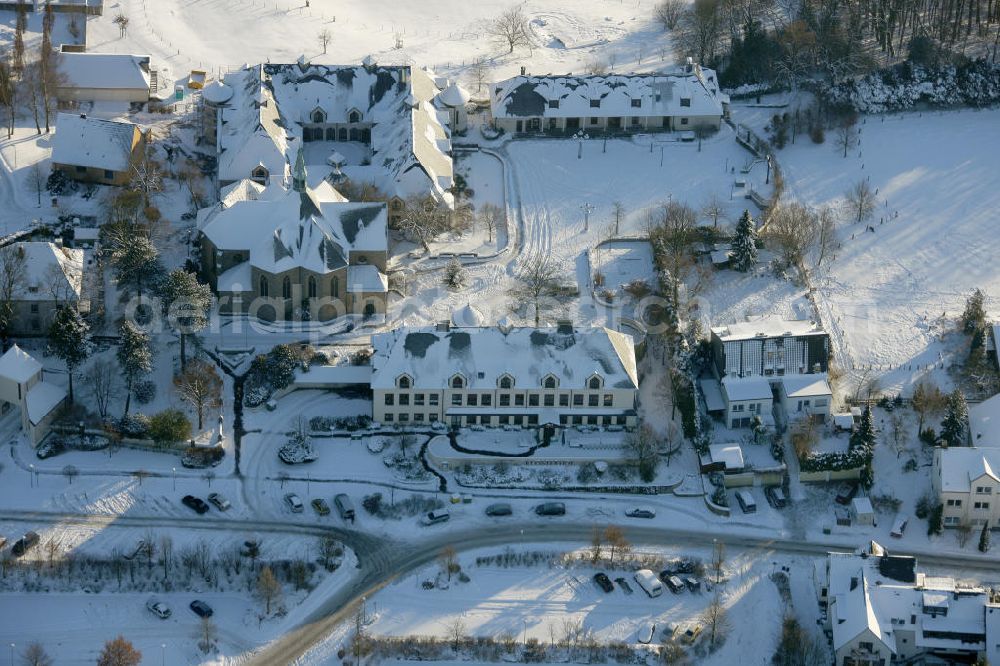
column 458, row 382
column 354, row 116
column 260, row 175
column 595, row 382
column 595, row 103
column 553, row 104
column 550, row 382
column 506, row 382
column 636, row 103
column 685, row 101
column 404, row 382
column 318, row 116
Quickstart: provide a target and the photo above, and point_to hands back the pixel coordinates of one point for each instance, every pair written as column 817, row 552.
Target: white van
column 649, row 582
column 746, row 501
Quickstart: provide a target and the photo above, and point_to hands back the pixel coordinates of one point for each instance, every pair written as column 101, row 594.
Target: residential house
column 103, row 77
column 806, row 395
column 275, row 253
column 685, row 98
column 384, row 119
column 881, row 611
column 496, row 376
column 96, row 151
column 49, row 275
column 746, row 399
column 966, row 480
column 23, row 386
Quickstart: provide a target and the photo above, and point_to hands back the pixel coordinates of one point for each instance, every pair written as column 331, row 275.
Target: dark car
column 551, row 509
column 195, row 503
column 604, row 582
column 776, row 496
column 623, row 584
column 846, row 492
column 499, row 509
column 49, row 448
column 201, row 609
column 24, row 544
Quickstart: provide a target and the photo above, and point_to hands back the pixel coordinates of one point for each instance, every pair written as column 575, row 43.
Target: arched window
column 549, row 382
column 404, row 382
column 260, row 175
column 312, row 287
column 457, row 382
column 318, row 116
column 331, row 134
column 355, row 117
column 335, row 287
column 264, row 289
column 506, row 382
column 286, row 288
column 355, row 136
column 595, row 383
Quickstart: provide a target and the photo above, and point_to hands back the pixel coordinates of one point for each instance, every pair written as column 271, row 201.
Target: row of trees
column 29, row 80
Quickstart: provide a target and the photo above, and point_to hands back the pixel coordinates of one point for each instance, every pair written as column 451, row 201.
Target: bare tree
column 927, row 401
column 898, row 432
column 329, row 550
column 200, row 387
column 793, row 230
column 826, row 233
column 642, row 445
column 8, row 93
column 448, row 559
column 269, row 588
column 166, row 554
column 36, row 181
column 669, row 12
column 147, row 172
column 619, row 545
column 617, row 215
column 701, row 29
column 538, row 283
column 13, row 268
column 122, row 21
column 457, row 632
column 861, row 200
column 101, row 378
column 424, row 220
column 716, row 620
column 596, row 545
column 510, row 29
column 847, row 134
column 324, row 37
column 207, row 634
column 718, row 564
column 714, row 209
column 35, row 655
column 480, row 71
column 70, row 472
column 491, row 216
column 119, row 652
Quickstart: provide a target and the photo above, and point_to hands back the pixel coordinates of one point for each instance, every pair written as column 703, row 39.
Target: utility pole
column 587, row 209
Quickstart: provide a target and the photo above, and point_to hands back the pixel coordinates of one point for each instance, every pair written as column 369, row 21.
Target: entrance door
column 614, row 123
column 572, row 124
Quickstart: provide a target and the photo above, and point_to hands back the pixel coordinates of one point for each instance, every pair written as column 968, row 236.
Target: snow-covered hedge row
column 976, row 83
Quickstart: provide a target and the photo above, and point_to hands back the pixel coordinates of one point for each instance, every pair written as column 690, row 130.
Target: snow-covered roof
column 410, row 145
column 746, row 388
column 767, row 327
column 237, row 278
column 42, row 398
column 51, row 272
column 454, row 95
column 959, row 466
column 482, row 355
column 862, row 506
column 366, row 279
column 18, row 365
column 684, row 91
column 984, row 422
column 217, row 93
column 104, row 70
column 805, row 386
column 92, row 142
column 731, row 455
column 712, row 391
column 852, row 612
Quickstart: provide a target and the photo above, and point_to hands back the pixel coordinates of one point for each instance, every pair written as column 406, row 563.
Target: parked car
column 24, row 544
column 201, row 609
column 294, row 503
column 435, row 517
column 645, row 633
column 195, row 503
column 345, row 507
column 688, row 634
column 499, row 509
column 551, row 509
column 846, row 492
column 604, row 582
column 320, row 506
column 623, row 585
column 776, row 497
column 648, row 582
column 692, row 583
column 250, row 548
column 220, row 502
column 746, row 501
column 675, row 584
column 158, row 608
column 641, row 512
column 50, row 447
column 899, row 527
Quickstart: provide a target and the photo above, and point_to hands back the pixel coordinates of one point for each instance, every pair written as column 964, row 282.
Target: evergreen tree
column 864, row 435
column 954, row 428
column 934, row 520
column 186, row 302
column 69, row 340
column 134, row 356
column 744, row 246
column 984, row 539
column 136, row 261
column 974, row 316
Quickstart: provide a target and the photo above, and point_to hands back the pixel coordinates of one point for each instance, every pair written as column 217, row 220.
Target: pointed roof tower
column 299, row 174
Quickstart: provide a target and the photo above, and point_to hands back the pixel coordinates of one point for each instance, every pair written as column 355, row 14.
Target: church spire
column 299, row 174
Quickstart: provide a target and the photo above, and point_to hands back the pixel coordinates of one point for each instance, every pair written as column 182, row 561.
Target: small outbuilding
column 862, row 511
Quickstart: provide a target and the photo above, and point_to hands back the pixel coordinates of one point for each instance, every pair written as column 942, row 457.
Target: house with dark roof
column 279, row 254
column 685, row 98
column 498, row 376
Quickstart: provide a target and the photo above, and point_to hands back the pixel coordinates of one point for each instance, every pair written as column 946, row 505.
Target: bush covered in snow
column 296, row 450
column 975, row 83
column 331, row 423
column 273, row 371
column 135, row 426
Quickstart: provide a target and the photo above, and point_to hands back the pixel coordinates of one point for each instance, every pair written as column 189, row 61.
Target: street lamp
column 174, row 470
column 587, row 209
column 580, row 136
column 11, row 654
column 34, row 479
column 163, row 654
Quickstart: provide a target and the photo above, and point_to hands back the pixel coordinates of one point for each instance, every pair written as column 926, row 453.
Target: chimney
column 522, row 70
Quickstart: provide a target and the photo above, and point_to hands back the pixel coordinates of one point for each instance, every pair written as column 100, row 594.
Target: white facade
column 22, row 385
column 967, row 484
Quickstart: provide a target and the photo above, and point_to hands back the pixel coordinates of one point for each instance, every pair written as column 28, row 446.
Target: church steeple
column 299, row 174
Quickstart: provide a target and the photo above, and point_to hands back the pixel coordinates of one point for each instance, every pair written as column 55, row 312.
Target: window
column 473, row 400
column 456, row 399
column 318, row 116
column 506, row 382
column 418, row 399
column 636, row 103
column 592, row 400
column 418, row 417
column 738, row 408
column 404, row 417
column 390, row 399
column 951, row 520
column 81, row 169
column 263, row 287
column 608, row 399
column 553, row 104
column 984, row 506
column 388, row 418
column 550, row 382
column 109, row 174
column 594, row 383
column 311, row 286
column 432, row 399
column 577, row 420
column 504, row 420
column 354, row 117
column 335, row 287
column 550, row 400
column 403, row 382
column 593, row 121
column 533, row 400
column 404, row 398
column 636, row 120
column 954, row 502
column 486, row 400
column 519, row 400
column 685, row 101
column 564, row 400
column 286, row 288
column 595, row 103
column 457, row 382
column 753, row 406
column 34, row 308
column 684, row 121
column 578, row 400
column 505, row 400
column 984, row 490
column 433, row 418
